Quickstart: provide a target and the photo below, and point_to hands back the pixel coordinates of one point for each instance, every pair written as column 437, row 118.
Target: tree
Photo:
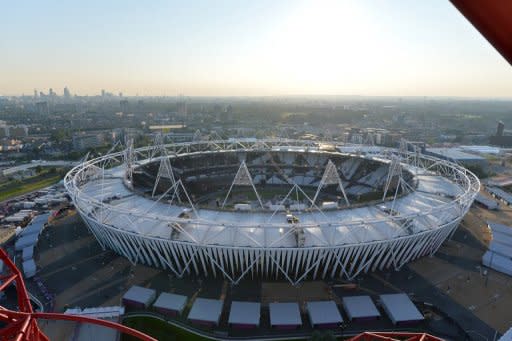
column 60, row 135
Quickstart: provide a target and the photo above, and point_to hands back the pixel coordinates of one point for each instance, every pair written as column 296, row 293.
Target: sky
column 247, row 48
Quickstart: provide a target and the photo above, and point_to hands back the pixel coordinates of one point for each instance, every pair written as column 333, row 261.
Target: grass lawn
column 158, row 329
column 14, row 188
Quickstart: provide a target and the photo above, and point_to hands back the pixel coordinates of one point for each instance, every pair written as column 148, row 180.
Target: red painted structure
column 375, row 336
column 492, row 18
column 22, row 325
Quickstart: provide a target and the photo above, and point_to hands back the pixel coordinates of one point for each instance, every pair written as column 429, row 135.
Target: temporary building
column 27, row 253
column 400, row 309
column 285, row 315
column 244, row 314
column 324, row 314
column 170, row 304
column 500, row 249
column 497, row 262
column 139, row 297
column 26, row 241
column 36, row 225
column 98, row 312
column 29, row 268
column 488, row 203
column 206, row 311
column 500, row 228
column 360, row 308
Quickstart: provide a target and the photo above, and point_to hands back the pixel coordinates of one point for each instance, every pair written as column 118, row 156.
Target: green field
column 15, row 188
column 164, row 331
column 159, row 329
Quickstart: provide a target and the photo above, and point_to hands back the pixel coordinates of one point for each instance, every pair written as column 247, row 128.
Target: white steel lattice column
column 331, row 177
column 242, row 178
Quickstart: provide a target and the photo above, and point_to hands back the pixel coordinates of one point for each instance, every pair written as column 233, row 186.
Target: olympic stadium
column 271, row 208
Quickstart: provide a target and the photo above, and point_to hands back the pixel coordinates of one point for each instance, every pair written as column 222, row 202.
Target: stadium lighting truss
column 22, row 325
column 334, row 246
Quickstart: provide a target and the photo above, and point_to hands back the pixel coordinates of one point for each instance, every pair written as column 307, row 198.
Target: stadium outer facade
column 324, row 243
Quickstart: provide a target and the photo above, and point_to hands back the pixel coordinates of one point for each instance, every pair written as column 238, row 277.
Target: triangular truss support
column 331, row 177
column 297, row 189
column 243, row 178
column 395, row 170
column 164, row 170
column 197, row 136
column 129, row 158
column 158, row 143
column 175, row 190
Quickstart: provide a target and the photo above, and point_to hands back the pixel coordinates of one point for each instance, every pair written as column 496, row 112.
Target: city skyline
column 394, row 48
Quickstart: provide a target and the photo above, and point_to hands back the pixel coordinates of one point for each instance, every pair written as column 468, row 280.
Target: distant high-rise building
column 120, row 94
column 103, row 92
column 500, row 129
column 35, row 93
column 502, row 138
column 83, row 141
column 51, row 93
column 124, row 105
column 181, row 106
column 67, row 94
column 42, row 108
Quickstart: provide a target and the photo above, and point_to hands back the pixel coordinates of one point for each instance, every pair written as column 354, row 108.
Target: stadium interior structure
column 273, row 208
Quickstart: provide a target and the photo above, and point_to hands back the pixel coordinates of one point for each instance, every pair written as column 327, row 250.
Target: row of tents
column 499, row 255
column 283, row 315
column 26, row 242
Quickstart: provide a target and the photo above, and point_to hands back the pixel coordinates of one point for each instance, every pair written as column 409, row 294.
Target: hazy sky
column 264, row 47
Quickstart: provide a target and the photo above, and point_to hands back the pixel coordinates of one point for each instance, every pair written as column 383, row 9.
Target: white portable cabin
column 329, row 205
column 360, row 308
column 244, row 314
column 400, row 309
column 170, row 304
column 242, row 207
column 323, row 314
column 139, row 297
column 206, row 311
column 285, row 315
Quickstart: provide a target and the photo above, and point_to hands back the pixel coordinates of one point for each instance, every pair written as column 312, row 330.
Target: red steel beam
column 493, row 19
column 22, row 324
column 394, row 336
